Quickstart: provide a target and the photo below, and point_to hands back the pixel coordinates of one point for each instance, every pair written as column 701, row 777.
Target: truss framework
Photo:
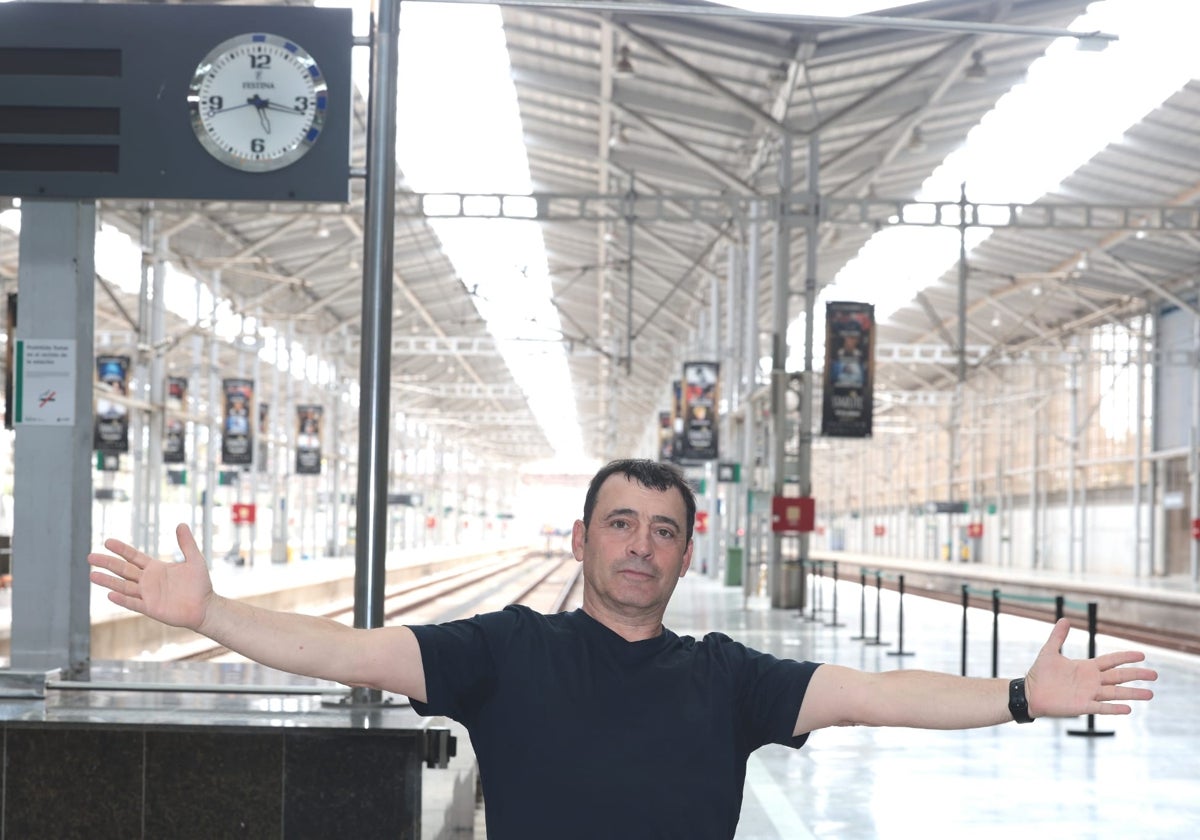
column 908, row 354
column 550, row 207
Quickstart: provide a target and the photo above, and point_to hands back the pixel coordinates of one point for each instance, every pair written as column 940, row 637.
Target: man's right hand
column 181, row 594
column 173, row 593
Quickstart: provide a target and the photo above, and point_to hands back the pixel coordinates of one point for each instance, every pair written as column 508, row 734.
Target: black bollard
column 862, row 607
column 995, row 633
column 878, row 589
column 1091, row 731
column 815, row 596
column 900, row 651
column 819, row 600
column 965, row 602
column 833, row 621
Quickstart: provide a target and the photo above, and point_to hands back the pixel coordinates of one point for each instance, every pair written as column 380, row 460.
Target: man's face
column 635, row 550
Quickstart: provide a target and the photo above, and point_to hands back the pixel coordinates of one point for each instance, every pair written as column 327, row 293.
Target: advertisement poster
column 237, row 437
column 849, row 369
column 698, row 440
column 666, row 436
column 308, row 439
column 174, row 431
column 10, row 330
column 111, row 431
column 264, row 420
column 676, row 417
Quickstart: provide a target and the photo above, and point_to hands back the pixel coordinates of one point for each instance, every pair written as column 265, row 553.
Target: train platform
column 308, row 585
column 1122, row 776
column 1107, row 777
column 1152, row 609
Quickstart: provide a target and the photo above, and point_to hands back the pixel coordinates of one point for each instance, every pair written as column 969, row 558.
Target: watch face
column 257, row 102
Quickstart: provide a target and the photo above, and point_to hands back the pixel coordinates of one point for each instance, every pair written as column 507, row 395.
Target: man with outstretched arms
column 603, row 720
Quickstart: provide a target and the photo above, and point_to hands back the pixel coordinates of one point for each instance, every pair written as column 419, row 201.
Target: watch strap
column 1018, row 702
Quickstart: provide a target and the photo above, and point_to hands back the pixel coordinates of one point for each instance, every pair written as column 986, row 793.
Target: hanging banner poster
column 174, row 428
column 264, row 419
column 111, row 431
column 10, row 333
column 676, row 417
column 237, row 438
column 849, row 369
column 666, row 436
column 698, row 440
column 308, row 439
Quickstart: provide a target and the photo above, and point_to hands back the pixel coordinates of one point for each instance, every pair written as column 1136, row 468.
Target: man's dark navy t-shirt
column 581, row 734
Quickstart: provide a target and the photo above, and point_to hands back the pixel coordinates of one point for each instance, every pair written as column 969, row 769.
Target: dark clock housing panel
column 90, row 107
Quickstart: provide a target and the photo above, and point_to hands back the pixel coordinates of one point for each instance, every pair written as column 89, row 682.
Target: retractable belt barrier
column 817, row 585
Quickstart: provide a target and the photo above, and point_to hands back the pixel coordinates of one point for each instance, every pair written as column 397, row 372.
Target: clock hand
column 271, row 106
column 212, row 112
column 261, row 105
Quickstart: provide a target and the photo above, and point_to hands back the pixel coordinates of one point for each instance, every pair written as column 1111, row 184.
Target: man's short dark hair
column 652, row 475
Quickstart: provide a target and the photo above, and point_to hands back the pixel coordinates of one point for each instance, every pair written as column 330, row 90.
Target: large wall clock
column 257, row 102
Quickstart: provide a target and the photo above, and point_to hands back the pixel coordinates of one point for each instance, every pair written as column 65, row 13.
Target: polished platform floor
column 1033, row 781
column 1037, row 781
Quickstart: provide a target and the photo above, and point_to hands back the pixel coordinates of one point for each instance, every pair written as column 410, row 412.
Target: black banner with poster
column 676, row 417
column 10, row 330
column 174, row 428
column 111, row 431
column 237, row 436
column 308, row 439
column 698, row 439
column 666, row 436
column 264, row 432
column 849, row 369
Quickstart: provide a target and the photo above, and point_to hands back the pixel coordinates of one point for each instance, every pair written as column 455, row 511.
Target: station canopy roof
column 656, row 127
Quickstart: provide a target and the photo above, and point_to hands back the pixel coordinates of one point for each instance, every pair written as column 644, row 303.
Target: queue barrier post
column 878, row 590
column 819, row 601
column 995, row 633
column 900, row 651
column 805, row 565
column 833, row 620
column 1091, row 731
column 965, row 603
column 814, row 590
column 862, row 606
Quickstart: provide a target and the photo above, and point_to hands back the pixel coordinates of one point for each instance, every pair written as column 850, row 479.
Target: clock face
column 257, row 102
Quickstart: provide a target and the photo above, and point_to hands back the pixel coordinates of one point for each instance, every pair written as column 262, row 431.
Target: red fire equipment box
column 793, row 514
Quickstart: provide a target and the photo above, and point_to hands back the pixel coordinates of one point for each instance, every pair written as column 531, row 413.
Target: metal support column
column 733, row 423
column 213, row 438
column 1139, row 453
column 750, row 355
column 156, row 416
column 1193, row 462
column 376, row 363
column 954, row 424
column 52, row 494
column 1037, row 423
column 333, row 458
column 278, row 549
column 812, row 224
column 715, row 557
column 1072, row 454
column 786, row 584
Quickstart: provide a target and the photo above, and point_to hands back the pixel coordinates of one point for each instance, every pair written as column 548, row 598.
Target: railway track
column 543, row 581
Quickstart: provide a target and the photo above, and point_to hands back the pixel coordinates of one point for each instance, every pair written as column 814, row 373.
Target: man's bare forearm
column 839, row 696
column 315, row 646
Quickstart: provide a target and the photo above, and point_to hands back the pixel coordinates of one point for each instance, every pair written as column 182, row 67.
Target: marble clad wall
column 102, row 781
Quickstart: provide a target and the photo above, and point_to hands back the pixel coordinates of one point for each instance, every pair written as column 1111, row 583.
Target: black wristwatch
column 1018, row 703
